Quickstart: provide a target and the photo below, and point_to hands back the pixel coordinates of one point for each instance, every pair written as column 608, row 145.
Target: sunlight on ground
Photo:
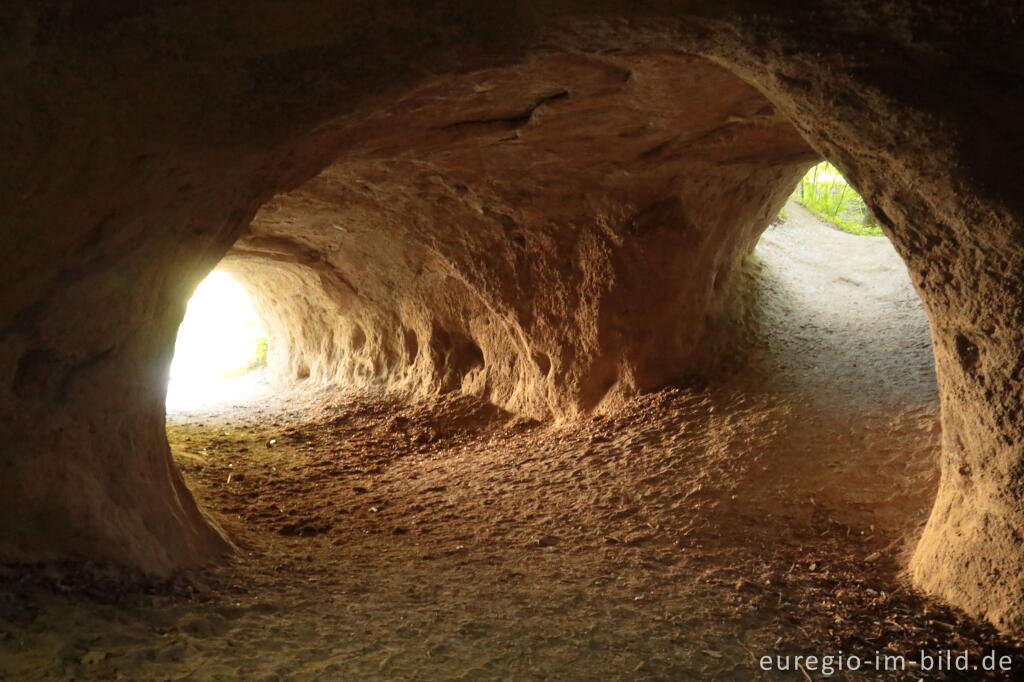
column 220, row 341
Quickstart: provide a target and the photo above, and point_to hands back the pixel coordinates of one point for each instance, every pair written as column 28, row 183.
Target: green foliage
column 825, row 191
column 257, row 359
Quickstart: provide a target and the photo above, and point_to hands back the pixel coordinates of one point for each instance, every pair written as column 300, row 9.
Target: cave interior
column 550, row 393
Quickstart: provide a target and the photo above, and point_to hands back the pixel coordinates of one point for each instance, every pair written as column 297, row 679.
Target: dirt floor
column 682, row 539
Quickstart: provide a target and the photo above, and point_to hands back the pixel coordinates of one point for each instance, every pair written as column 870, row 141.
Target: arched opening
column 826, row 193
column 489, row 326
column 448, row 253
column 825, row 264
column 843, row 340
column 220, row 349
column 547, row 247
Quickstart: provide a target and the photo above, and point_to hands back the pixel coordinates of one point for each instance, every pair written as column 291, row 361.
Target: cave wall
column 140, row 140
column 553, row 237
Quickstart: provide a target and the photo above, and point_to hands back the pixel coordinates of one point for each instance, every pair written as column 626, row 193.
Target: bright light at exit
column 220, row 340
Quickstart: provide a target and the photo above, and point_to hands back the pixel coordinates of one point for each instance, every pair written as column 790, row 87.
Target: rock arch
column 590, row 211
column 142, row 142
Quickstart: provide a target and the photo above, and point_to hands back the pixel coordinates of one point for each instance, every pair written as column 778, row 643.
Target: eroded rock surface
column 553, row 237
column 141, row 140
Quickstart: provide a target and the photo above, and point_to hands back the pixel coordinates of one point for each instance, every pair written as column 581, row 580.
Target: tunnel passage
column 553, row 237
column 142, row 139
column 220, row 349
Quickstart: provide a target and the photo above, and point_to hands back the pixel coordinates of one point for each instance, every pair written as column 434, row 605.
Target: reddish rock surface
column 553, row 237
column 141, row 141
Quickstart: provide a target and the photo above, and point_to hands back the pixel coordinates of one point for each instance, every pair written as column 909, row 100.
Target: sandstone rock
column 554, row 236
column 543, row 203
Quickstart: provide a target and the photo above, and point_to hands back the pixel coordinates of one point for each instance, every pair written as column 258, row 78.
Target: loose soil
column 682, row 538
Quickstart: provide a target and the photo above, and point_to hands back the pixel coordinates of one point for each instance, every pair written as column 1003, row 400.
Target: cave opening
column 485, row 376
column 221, row 347
column 857, row 324
column 543, row 391
column 450, row 326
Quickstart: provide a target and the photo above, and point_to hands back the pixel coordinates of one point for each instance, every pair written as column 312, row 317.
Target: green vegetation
column 259, row 358
column 825, row 191
column 256, row 358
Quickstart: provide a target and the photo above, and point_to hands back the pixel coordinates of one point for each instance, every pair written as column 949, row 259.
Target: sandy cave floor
column 681, row 539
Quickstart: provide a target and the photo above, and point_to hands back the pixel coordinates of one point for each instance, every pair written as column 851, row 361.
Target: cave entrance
column 221, row 347
column 548, row 240
column 825, row 192
column 844, row 346
column 841, row 317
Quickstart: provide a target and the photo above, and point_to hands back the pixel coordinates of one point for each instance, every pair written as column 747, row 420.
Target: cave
column 220, row 350
column 533, row 408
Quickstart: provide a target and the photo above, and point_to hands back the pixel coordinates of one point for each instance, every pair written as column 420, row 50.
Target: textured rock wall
column 554, row 236
column 140, row 139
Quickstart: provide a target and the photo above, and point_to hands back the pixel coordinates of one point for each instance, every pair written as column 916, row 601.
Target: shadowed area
column 445, row 539
column 537, row 363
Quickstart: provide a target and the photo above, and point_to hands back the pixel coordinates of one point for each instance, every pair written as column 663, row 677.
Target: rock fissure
column 507, row 122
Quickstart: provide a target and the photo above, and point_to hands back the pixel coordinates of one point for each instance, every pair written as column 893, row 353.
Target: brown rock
column 543, row 203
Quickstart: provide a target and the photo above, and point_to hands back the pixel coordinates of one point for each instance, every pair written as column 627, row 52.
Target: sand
column 681, row 539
